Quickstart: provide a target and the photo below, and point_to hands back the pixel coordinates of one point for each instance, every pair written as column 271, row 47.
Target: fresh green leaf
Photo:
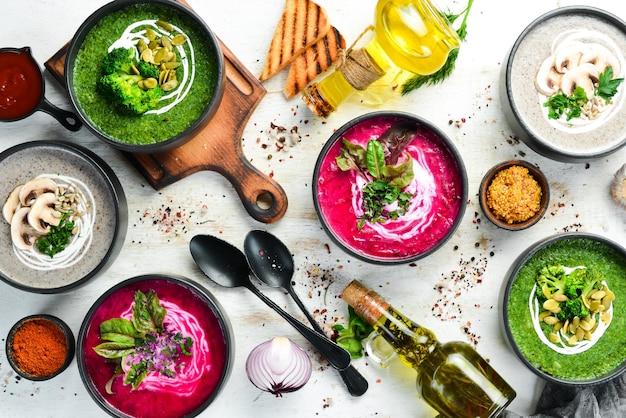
column 148, row 313
column 113, row 350
column 351, row 157
column 607, row 85
column 417, row 81
column 57, row 238
column 350, row 337
column 119, row 326
column 137, row 373
column 400, row 175
column 560, row 104
column 375, row 158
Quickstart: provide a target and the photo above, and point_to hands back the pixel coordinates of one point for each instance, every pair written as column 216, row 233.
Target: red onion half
column 278, row 366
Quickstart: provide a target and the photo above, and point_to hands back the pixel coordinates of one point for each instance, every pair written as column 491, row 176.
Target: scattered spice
column 39, row 347
column 514, row 195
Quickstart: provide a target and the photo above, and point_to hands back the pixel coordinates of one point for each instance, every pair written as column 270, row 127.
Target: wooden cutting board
column 217, row 147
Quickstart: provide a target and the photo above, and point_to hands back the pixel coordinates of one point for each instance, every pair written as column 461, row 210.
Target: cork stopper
column 366, row 303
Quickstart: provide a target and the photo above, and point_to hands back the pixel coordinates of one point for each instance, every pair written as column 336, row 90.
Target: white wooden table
column 466, row 107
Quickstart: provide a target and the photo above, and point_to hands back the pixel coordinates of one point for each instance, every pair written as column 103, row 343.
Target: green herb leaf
column 352, row 156
column 137, row 373
column 560, row 104
column 375, row 158
column 148, row 313
column 113, row 350
column 350, row 337
column 417, row 81
column 57, row 238
column 607, row 85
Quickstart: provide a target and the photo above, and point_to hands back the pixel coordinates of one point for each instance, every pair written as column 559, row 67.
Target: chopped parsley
column 143, row 343
column 57, row 238
column 379, row 163
column 560, row 104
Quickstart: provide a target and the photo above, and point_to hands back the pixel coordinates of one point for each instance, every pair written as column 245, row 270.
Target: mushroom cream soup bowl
column 100, row 215
column 542, row 339
column 433, row 189
column 563, row 49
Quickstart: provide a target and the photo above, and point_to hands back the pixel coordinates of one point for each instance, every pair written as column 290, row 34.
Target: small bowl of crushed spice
column 514, row 195
column 39, row 347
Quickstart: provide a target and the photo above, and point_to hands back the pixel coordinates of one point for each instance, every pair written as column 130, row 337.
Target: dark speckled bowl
column 26, row 161
column 602, row 361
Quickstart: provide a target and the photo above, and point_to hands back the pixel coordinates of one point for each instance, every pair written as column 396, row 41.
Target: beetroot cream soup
column 157, row 395
column 437, row 192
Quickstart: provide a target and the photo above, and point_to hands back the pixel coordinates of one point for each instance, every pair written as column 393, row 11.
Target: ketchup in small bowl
column 22, row 89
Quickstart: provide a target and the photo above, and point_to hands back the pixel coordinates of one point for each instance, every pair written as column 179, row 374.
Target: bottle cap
column 366, row 303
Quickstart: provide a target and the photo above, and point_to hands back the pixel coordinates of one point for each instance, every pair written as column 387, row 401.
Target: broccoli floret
column 119, row 60
column 582, row 281
column 148, row 70
column 572, row 308
column 554, row 278
column 124, row 90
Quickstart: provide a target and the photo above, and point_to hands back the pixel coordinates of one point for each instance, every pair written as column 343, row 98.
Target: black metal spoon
column 272, row 262
column 227, row 266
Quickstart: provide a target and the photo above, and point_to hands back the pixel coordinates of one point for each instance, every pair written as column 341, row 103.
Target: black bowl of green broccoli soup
column 145, row 75
column 564, row 308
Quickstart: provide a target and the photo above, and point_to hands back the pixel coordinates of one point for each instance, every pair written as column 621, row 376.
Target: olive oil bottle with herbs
column 452, row 377
column 410, row 35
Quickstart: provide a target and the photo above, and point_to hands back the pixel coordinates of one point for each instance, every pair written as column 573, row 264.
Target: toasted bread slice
column 314, row 61
column 302, row 24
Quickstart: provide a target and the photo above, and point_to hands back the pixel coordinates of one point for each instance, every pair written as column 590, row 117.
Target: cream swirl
column 79, row 243
column 190, row 369
column 421, row 210
column 136, row 31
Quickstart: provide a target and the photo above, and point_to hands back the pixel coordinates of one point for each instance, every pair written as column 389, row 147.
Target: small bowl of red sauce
column 514, row 195
column 39, row 347
column 22, row 89
column 389, row 187
column 155, row 346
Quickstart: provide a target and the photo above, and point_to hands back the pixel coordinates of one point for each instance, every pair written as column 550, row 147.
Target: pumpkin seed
column 550, row 304
column 164, row 25
column 166, row 42
column 134, row 69
column 580, row 334
column 557, row 327
column 147, row 56
column 179, row 39
column 160, row 55
column 606, row 302
column 605, row 317
column 171, row 85
column 150, row 83
column 163, row 76
column 543, row 314
column 594, row 305
column 572, row 340
column 598, row 294
column 554, row 338
column 141, row 45
column 546, row 292
column 151, row 34
column 559, row 297
column 170, row 65
column 550, row 320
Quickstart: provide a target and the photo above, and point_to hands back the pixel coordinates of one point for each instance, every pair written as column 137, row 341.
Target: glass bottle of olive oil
column 452, row 377
column 410, row 35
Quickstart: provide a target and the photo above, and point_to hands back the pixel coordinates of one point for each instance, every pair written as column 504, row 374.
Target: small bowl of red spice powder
column 40, row 347
column 514, row 194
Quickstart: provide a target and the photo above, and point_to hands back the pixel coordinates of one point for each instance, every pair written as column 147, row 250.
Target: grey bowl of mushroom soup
column 64, row 216
column 561, row 85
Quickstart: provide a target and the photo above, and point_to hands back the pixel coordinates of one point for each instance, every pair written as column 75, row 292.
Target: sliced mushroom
column 11, row 204
column 22, row 234
column 585, row 76
column 601, row 57
column 548, row 79
column 42, row 213
column 567, row 57
column 36, row 187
